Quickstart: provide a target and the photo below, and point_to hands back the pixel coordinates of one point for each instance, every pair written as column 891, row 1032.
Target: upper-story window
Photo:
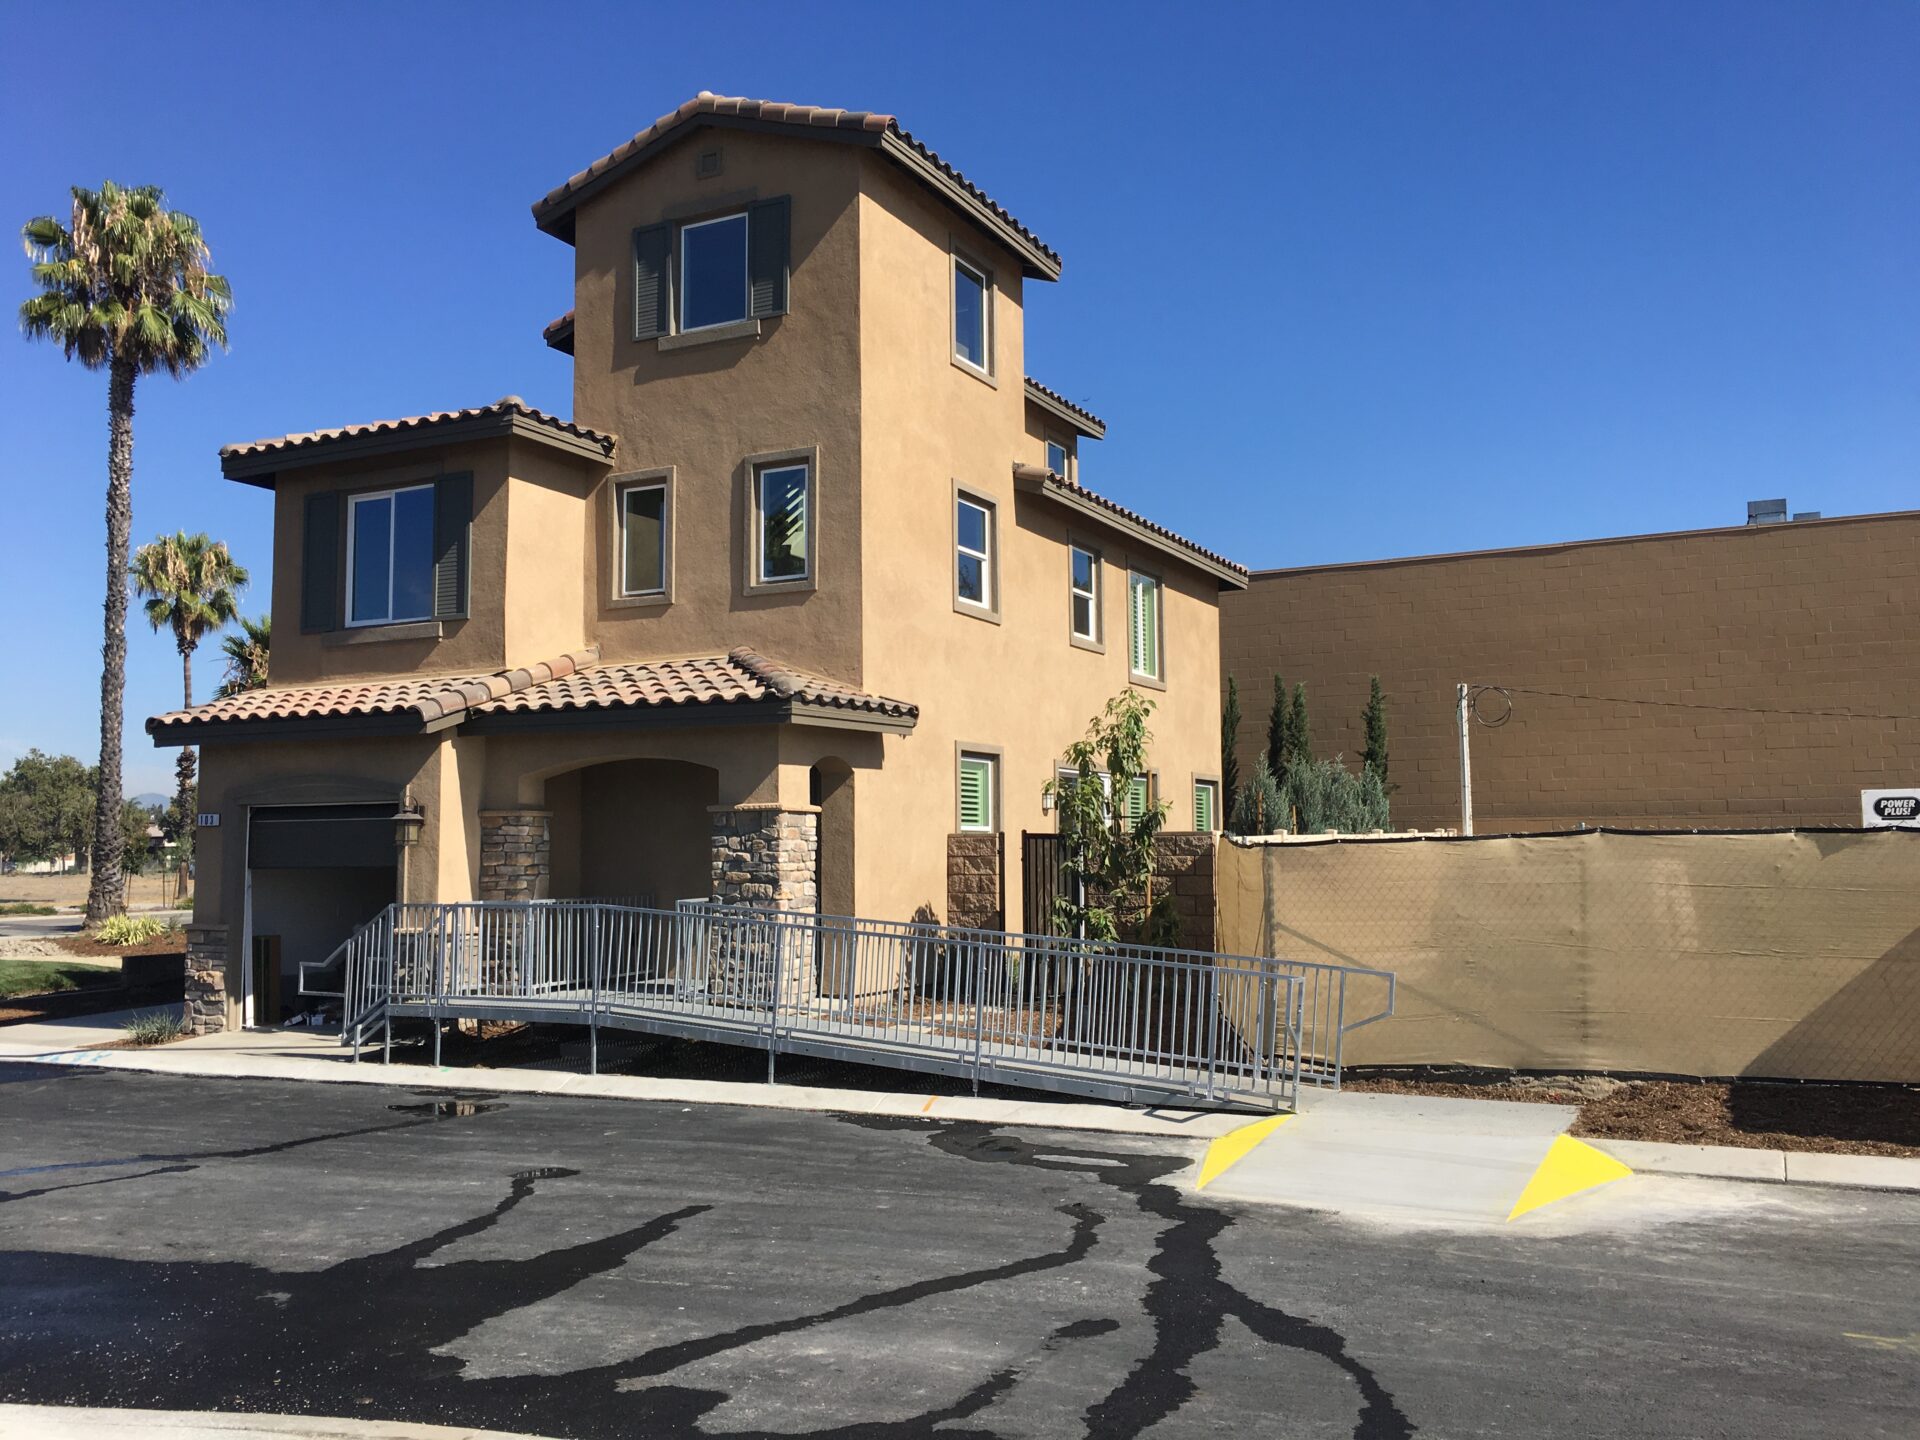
column 1057, row 458
column 1144, row 652
column 972, row 317
column 973, row 552
column 1083, row 587
column 783, row 523
column 390, row 556
column 644, row 528
column 719, row 274
column 1206, row 805
column 713, row 272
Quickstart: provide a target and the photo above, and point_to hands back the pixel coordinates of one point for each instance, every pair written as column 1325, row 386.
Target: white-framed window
column 713, row 273
column 972, row 316
column 783, row 522
column 973, row 524
column 643, row 538
column 1144, row 655
column 1206, row 806
column 1057, row 458
column 977, row 791
column 1083, row 584
column 390, row 556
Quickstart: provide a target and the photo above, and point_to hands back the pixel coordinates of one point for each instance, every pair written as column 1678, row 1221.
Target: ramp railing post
column 979, row 952
column 594, row 960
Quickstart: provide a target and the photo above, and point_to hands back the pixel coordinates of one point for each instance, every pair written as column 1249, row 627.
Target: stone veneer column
column 516, row 854
column 206, row 993
column 766, row 856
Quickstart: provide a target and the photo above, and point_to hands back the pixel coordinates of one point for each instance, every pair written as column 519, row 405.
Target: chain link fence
column 1790, row 954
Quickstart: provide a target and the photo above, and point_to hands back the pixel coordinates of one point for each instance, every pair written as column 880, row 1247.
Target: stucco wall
column 1810, row 617
column 703, row 410
column 1017, row 687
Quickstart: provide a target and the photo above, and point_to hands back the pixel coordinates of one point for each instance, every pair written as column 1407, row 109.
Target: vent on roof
column 1806, row 514
column 1767, row 512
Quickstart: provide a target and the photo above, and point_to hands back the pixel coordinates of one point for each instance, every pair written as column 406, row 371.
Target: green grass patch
column 39, row 977
column 26, row 907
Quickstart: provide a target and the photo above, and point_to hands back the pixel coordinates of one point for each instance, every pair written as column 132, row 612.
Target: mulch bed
column 1748, row 1114
column 172, row 942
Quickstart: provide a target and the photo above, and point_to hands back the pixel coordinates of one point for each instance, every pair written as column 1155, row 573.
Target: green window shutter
column 1144, row 625
column 976, row 793
column 1136, row 798
column 767, row 229
column 452, row 523
column 651, row 291
column 1203, row 808
column 320, row 563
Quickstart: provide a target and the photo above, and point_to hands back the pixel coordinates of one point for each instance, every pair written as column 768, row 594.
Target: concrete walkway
column 58, row 1422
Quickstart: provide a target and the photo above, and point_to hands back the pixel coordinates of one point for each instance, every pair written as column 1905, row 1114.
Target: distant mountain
column 149, row 800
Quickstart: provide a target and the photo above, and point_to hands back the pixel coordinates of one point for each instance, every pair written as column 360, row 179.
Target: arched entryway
column 637, row 831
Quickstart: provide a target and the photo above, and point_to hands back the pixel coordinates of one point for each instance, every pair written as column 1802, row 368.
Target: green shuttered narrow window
column 1137, row 794
column 1143, row 625
column 1203, row 806
column 976, row 792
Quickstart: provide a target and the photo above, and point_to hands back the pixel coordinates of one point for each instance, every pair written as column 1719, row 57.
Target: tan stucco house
column 800, row 609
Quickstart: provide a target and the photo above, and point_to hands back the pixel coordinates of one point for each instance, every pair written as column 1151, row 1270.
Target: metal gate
column 1040, row 860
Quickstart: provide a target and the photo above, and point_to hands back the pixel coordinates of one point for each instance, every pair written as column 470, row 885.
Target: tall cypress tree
column 1299, row 732
column 1279, row 732
column 1374, row 722
column 1229, row 739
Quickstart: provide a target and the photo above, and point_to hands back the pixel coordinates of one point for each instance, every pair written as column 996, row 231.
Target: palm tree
column 192, row 587
column 126, row 289
column 247, row 656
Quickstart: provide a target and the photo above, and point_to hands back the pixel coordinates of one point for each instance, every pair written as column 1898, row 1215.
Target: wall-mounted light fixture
column 408, row 821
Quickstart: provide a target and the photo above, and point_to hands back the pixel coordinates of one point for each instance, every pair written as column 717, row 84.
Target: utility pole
column 1463, row 708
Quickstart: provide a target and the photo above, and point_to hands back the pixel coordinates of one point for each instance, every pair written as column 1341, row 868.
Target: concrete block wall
column 976, row 881
column 1807, row 617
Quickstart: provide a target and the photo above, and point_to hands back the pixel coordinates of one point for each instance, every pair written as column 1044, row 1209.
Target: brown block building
column 1750, row 677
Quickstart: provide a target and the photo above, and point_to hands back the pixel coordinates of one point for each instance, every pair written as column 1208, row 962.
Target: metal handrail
column 1108, row 1018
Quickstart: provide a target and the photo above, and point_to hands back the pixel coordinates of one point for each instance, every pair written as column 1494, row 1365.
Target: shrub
column 1258, row 808
column 156, row 1027
column 129, row 929
column 1324, row 795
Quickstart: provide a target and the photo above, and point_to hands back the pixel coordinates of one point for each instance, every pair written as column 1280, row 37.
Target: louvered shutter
column 652, row 289
column 1203, row 808
column 1136, row 799
column 320, row 563
column 976, row 793
column 767, row 248
column 452, row 523
column 1144, row 626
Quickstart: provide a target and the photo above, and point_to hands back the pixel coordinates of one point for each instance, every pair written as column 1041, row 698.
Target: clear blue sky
column 1346, row 281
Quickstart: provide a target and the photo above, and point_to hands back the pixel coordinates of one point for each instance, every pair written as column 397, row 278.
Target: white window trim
column 756, row 474
column 1156, row 677
column 1091, row 640
column 1066, row 456
column 985, row 277
column 680, row 326
column 393, row 531
column 621, row 492
column 991, row 759
column 1212, row 787
column 989, row 603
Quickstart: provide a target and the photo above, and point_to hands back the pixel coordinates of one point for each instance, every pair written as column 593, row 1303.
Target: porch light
column 408, row 821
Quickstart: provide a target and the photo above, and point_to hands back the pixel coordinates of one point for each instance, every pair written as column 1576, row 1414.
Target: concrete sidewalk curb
column 1778, row 1167
column 61, row 1422
column 1193, row 1125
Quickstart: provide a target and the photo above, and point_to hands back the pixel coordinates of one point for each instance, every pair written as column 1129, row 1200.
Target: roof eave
column 1072, row 497
column 1079, row 422
column 559, row 336
column 1036, row 263
column 264, row 469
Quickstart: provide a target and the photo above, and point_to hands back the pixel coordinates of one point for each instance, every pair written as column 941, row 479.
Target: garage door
column 321, row 837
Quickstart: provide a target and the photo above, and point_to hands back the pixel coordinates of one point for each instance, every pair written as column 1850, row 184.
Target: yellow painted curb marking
column 929, row 1105
column 1569, row 1168
column 1233, row 1147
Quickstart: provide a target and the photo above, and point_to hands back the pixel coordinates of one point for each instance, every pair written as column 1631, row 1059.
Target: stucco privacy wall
column 1016, row 688
column 1788, row 955
column 1814, row 616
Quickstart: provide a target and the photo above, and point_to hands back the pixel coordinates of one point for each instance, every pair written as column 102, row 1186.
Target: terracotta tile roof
column 1038, row 477
column 738, row 676
column 428, row 699
column 574, row 681
column 1095, row 425
column 550, row 210
column 507, row 406
column 559, row 333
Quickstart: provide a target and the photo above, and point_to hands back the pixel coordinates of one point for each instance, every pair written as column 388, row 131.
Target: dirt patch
column 172, row 942
column 1748, row 1114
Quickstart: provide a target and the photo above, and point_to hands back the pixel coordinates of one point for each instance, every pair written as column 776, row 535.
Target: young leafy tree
column 1107, row 857
column 248, row 653
column 1229, row 741
column 1373, row 721
column 192, row 587
column 125, row 288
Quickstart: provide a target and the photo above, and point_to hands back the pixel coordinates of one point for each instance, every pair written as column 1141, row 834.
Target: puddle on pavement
column 447, row 1109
